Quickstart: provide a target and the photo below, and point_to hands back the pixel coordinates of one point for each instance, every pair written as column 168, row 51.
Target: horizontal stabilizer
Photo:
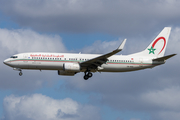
column 164, row 58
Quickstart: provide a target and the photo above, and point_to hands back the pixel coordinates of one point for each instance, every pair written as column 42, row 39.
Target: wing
column 98, row 61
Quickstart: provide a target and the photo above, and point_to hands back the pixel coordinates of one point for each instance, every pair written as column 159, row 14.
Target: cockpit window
column 14, row 57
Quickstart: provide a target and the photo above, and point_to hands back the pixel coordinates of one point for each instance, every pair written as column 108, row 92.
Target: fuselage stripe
column 79, row 62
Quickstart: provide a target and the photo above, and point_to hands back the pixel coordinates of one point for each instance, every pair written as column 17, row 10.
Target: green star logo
column 151, row 50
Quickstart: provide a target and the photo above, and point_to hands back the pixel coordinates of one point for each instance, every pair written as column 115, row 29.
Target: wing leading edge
column 98, row 61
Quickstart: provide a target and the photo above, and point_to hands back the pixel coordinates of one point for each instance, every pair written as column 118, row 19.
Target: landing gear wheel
column 87, row 74
column 86, row 77
column 20, row 73
column 90, row 74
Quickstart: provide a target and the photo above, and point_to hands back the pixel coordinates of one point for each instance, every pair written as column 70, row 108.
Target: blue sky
column 94, row 26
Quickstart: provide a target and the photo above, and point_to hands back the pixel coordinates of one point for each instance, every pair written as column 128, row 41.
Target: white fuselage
column 55, row 61
column 69, row 64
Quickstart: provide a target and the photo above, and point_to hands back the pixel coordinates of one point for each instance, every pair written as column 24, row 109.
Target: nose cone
column 6, row 62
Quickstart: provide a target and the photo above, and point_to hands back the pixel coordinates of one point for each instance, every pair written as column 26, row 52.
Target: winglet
column 122, row 45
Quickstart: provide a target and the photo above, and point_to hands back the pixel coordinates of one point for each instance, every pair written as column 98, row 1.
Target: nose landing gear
column 20, row 73
column 18, row 69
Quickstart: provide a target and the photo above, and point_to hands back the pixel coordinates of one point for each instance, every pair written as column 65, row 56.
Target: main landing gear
column 87, row 75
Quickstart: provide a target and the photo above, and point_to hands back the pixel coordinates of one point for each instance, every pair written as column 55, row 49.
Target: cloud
column 174, row 40
column 122, row 17
column 153, row 91
column 134, row 91
column 166, row 99
column 101, row 47
column 41, row 107
column 20, row 41
column 25, row 40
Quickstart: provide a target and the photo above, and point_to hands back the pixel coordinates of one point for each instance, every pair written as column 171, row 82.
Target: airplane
column 68, row 64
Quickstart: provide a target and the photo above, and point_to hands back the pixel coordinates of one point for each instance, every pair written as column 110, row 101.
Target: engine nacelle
column 66, row 73
column 71, row 67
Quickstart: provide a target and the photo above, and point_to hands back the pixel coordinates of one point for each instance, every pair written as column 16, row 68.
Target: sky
column 88, row 26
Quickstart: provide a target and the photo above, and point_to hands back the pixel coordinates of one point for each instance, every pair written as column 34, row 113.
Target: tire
column 90, row 74
column 86, row 77
column 20, row 73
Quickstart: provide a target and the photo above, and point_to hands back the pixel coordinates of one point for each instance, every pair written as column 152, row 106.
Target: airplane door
column 25, row 61
column 141, row 62
column 25, row 56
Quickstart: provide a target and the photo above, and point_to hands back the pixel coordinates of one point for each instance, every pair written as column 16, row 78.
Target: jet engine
column 71, row 67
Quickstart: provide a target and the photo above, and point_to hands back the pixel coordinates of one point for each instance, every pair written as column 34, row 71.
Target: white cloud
column 25, row 40
column 153, row 91
column 41, row 107
column 102, row 47
column 79, row 16
column 166, row 115
column 20, row 41
column 137, row 91
column 167, row 99
column 174, row 41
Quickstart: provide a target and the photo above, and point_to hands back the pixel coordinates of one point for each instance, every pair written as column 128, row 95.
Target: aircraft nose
column 8, row 62
column 5, row 62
